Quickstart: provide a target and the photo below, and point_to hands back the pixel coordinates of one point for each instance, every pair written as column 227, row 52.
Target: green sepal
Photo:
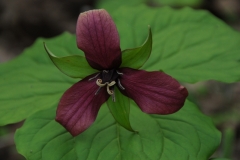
column 136, row 57
column 75, row 66
column 120, row 109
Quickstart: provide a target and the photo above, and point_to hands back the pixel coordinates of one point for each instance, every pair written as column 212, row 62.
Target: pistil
column 108, row 78
column 100, row 84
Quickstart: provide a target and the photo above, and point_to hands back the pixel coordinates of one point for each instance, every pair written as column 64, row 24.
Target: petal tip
column 74, row 133
column 98, row 38
column 184, row 91
column 154, row 92
column 79, row 106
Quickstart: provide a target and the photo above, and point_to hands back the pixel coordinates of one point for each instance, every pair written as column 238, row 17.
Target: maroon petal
column 79, row 106
column 154, row 92
column 98, row 37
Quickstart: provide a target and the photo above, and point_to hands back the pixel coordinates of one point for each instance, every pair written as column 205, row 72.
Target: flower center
column 108, row 78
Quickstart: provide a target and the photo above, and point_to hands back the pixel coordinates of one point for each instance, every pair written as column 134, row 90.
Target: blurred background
column 21, row 22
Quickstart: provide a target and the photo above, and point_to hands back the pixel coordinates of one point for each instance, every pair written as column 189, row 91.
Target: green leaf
column 179, row 2
column 43, row 129
column 188, row 133
column 189, row 45
column 31, row 82
column 120, row 109
column 219, row 159
column 111, row 5
column 74, row 66
column 136, row 57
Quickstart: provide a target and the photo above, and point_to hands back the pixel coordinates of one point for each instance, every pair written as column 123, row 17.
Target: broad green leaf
column 189, row 45
column 219, row 159
column 179, row 2
column 188, row 134
column 75, row 66
column 120, row 109
column 112, row 5
column 136, row 57
column 31, row 82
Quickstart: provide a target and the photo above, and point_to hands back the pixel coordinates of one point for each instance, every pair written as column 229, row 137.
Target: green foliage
column 179, row 2
column 136, row 57
column 31, row 82
column 189, row 45
column 112, row 5
column 190, row 134
column 228, row 142
column 219, row 159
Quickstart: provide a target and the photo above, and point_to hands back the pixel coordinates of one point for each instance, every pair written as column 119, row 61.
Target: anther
column 119, row 73
column 93, row 77
column 106, row 71
column 120, row 85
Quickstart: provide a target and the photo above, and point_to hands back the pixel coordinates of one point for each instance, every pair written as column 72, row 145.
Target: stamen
column 99, row 83
column 98, row 90
column 113, row 96
column 106, row 71
column 93, row 77
column 119, row 73
column 108, row 78
column 111, row 84
column 120, row 85
column 110, row 92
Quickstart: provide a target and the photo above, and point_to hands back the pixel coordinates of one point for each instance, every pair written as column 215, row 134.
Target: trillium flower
column 97, row 36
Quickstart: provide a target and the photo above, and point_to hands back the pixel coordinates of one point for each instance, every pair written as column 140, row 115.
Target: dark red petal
column 98, row 37
column 154, row 92
column 79, row 106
